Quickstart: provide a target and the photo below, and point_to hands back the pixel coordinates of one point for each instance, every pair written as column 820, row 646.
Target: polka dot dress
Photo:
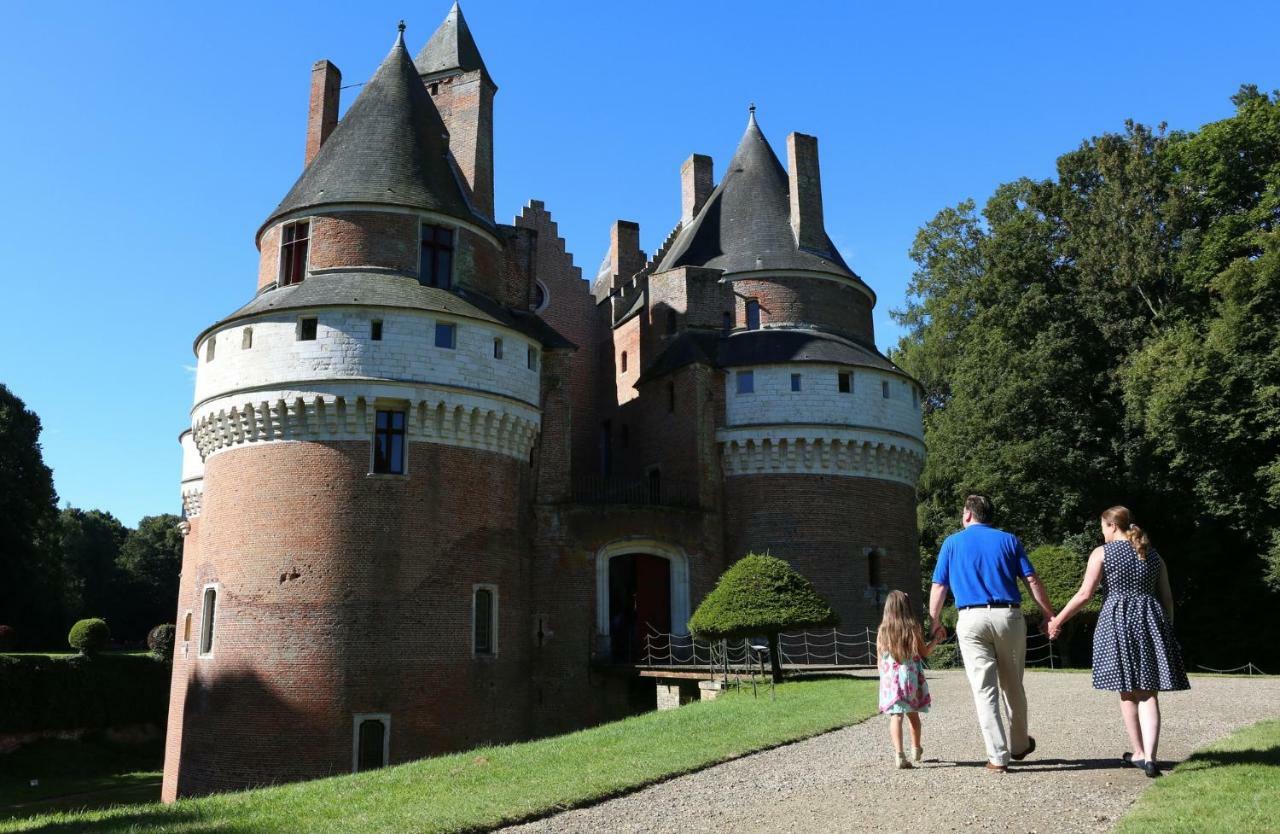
column 1134, row 646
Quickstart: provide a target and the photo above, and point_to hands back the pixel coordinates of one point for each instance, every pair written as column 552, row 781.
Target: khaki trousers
column 993, row 643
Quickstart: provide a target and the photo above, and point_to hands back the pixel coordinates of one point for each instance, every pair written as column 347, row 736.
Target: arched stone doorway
column 641, row 585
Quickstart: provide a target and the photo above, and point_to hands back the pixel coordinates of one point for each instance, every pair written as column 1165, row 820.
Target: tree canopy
column 1110, row 336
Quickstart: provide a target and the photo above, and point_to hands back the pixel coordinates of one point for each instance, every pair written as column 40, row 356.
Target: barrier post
column 835, row 639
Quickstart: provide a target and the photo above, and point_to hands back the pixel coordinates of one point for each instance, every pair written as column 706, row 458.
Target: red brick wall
column 343, row 594
column 365, row 238
column 822, row 525
column 465, row 103
column 807, row 301
column 269, row 257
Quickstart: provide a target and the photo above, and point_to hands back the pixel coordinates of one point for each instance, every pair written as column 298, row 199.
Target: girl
column 1134, row 649
column 903, row 689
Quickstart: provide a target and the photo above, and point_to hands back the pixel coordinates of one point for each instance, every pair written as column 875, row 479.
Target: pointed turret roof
column 391, row 148
column 451, row 48
column 745, row 225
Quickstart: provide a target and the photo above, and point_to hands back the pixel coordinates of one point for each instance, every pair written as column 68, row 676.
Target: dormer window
column 435, row 266
column 293, row 252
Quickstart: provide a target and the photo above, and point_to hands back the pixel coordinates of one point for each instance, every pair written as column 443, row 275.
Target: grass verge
column 75, row 774
column 485, row 787
column 1231, row 785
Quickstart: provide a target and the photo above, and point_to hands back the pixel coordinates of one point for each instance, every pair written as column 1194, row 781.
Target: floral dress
column 902, row 685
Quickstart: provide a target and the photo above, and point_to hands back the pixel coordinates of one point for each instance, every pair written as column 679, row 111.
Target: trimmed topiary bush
column 160, row 640
column 8, row 638
column 761, row 595
column 89, row 636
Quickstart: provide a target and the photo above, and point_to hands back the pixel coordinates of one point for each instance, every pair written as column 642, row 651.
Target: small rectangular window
column 435, row 267
column 446, row 335
column 307, row 330
column 375, row 330
column 671, row 397
column 624, row 362
column 884, row 389
column 533, row 359
column 485, row 623
column 293, row 252
column 246, row 338
column 915, row 397
column 186, row 628
column 746, row 382
column 753, row 315
column 846, row 382
column 795, row 382
column 372, row 742
column 210, row 609
column 209, row 348
column 726, row 321
column 388, row 443
column 497, row 348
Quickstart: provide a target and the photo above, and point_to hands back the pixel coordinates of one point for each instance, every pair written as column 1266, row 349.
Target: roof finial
column 751, row 114
column 400, row 28
column 751, row 108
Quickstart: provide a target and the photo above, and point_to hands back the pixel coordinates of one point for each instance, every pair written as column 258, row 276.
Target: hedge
column 72, row 692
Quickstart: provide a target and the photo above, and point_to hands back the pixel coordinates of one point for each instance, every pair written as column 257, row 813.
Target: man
column 981, row 566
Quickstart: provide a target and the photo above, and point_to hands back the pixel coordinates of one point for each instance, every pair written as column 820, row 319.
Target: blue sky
column 143, row 143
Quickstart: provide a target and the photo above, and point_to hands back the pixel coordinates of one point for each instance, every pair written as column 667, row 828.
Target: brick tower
column 358, row 462
column 438, row 489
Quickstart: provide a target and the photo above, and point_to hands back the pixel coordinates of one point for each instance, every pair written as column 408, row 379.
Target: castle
column 437, row 487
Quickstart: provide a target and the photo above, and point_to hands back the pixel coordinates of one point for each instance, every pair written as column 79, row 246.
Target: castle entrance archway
column 641, row 586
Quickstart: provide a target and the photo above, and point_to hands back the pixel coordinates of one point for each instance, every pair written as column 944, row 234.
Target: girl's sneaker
column 917, row 754
column 903, row 762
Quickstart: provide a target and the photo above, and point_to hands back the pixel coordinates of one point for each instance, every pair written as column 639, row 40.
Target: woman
column 1134, row 650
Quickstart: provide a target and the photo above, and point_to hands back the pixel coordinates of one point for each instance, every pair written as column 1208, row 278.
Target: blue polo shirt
column 981, row 564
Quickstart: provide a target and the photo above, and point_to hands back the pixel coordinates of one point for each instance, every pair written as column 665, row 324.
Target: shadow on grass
column 177, row 822
column 1269, row 757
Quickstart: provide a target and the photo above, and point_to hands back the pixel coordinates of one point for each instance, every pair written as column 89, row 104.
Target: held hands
column 1055, row 628
column 939, row 632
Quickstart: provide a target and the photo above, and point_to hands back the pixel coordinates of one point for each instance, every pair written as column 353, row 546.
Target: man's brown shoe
column 995, row 768
column 1031, row 748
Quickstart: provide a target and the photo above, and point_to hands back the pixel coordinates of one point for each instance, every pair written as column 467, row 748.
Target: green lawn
column 485, row 787
column 1231, row 785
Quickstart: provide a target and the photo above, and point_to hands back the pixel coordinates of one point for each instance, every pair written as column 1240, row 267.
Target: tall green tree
column 1111, row 336
column 29, row 569
column 90, row 542
column 149, row 562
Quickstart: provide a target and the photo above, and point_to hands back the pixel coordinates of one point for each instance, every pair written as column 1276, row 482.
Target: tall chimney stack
column 806, row 191
column 695, row 186
column 625, row 257
column 322, row 117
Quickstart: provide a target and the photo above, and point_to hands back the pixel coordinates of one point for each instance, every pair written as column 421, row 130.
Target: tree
column 90, row 541
column 29, row 571
column 760, row 596
column 149, row 563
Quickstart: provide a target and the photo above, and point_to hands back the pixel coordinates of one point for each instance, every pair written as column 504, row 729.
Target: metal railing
column 648, row 492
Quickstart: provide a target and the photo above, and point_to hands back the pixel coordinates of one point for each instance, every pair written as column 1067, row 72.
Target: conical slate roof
column 745, row 224
column 390, row 148
column 451, row 47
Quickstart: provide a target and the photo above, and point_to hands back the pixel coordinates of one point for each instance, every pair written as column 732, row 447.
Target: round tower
column 354, row 574
column 820, row 439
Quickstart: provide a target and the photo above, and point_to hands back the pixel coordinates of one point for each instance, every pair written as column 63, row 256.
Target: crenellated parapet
column 821, row 450
column 453, row 418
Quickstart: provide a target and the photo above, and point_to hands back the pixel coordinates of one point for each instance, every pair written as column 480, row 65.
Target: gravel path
column 842, row 781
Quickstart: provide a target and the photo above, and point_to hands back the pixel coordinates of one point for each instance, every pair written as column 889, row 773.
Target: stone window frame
column 796, row 382
column 306, row 261
column 885, row 389
column 497, row 347
column 246, row 338
column 844, row 382
column 531, row 360
column 403, row 407
column 356, row 720
column 492, row 588
column 540, row 304
column 745, row 382
column 300, row 335
column 376, row 329
column 453, row 334
column 208, row 623
column 210, row 348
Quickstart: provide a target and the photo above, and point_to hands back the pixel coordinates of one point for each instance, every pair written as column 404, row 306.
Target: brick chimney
column 805, row 185
column 695, row 186
column 322, row 117
column 625, row 257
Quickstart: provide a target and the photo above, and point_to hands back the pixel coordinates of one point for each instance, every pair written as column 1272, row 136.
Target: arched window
column 207, row 613
column 372, row 742
column 484, row 635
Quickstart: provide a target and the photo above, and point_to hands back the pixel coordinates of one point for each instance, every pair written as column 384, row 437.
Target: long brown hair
column 1123, row 520
column 901, row 633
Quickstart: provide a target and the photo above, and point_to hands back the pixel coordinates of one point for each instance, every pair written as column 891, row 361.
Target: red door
column 652, row 598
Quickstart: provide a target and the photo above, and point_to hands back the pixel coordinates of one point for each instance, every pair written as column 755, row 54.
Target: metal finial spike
column 752, row 108
column 401, row 27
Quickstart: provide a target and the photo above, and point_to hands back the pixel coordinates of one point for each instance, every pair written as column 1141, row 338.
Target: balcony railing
column 647, row 492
